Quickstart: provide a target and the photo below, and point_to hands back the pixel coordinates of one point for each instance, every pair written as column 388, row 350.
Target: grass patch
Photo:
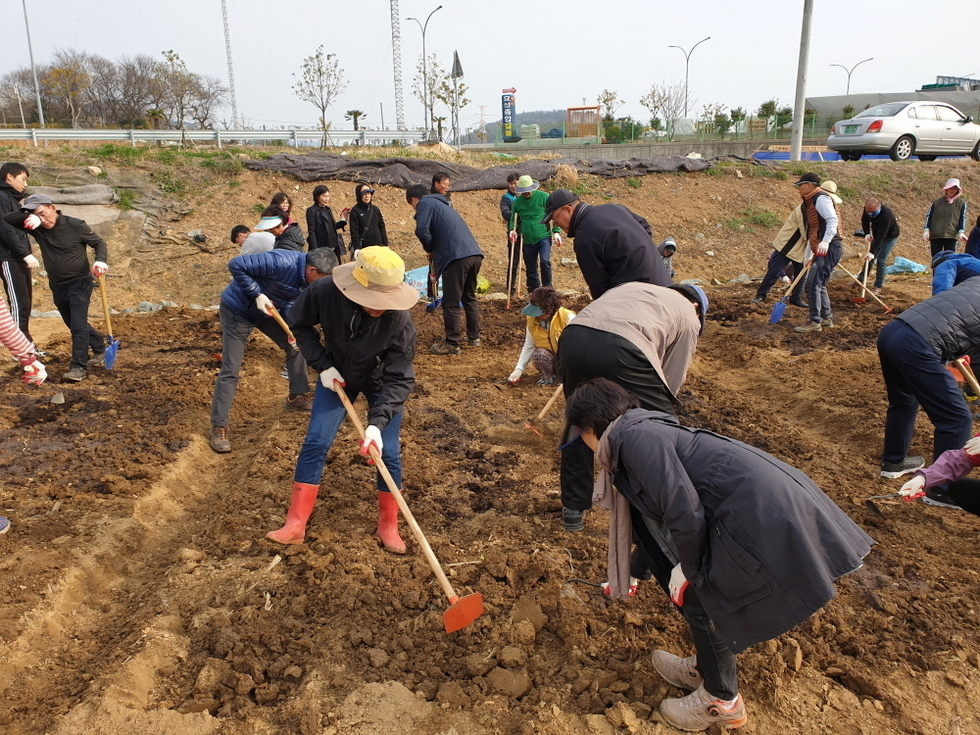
column 736, row 224
column 634, row 182
column 126, row 198
column 761, row 217
column 877, row 182
column 125, row 155
column 223, row 163
column 846, row 192
column 169, row 183
column 766, row 172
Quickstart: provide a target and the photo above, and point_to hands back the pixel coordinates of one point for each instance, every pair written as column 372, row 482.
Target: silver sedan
column 906, row 129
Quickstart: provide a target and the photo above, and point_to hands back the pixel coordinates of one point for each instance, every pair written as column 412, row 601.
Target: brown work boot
column 681, row 672
column 444, row 348
column 699, row 711
column 219, row 439
column 302, row 402
column 809, row 327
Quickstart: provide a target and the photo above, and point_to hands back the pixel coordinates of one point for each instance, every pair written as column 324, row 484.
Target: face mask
column 876, row 212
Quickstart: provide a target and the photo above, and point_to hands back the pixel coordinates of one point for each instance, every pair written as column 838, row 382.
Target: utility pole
column 30, row 51
column 396, row 59
column 235, row 120
column 799, row 107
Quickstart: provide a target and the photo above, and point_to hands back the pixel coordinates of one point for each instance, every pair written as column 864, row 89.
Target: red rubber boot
column 388, row 524
column 300, row 508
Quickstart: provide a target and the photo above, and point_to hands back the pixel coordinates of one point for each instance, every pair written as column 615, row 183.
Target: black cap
column 808, row 179
column 556, row 200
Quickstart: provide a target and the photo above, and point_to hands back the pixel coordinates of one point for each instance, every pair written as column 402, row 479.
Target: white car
column 906, row 129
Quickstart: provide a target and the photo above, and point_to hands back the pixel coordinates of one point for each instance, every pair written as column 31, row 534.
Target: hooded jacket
column 63, row 247
column 956, row 268
column 443, row 233
column 322, row 229
column 367, row 225
column 614, row 246
column 758, row 540
column 374, row 354
column 14, row 244
column 279, row 274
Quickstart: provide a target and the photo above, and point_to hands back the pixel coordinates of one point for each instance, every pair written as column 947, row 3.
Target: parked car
column 906, row 129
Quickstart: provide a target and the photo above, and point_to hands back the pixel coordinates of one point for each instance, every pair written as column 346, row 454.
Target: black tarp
column 404, row 172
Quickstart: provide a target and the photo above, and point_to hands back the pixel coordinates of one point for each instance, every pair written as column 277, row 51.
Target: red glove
column 678, row 585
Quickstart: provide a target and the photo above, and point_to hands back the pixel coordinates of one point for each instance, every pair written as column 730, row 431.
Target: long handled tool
column 510, row 268
column 862, row 299
column 780, row 306
column 967, row 372
column 435, row 300
column 462, row 610
column 112, row 345
column 274, row 313
column 550, row 403
column 888, row 309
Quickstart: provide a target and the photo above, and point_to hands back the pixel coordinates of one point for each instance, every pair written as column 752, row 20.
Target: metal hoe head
column 462, row 612
column 777, row 311
column 112, row 347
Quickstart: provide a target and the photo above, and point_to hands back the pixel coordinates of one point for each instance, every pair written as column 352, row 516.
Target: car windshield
column 889, row 110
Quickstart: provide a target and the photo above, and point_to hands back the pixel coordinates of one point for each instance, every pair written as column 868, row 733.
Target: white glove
column 925, row 235
column 869, row 257
column 515, row 376
column 31, row 261
column 556, row 239
column 785, row 279
column 264, row 304
column 512, row 237
column 678, row 585
column 972, row 447
column 35, row 374
column 961, row 235
column 99, row 268
column 328, row 376
column 822, row 248
column 32, row 222
column 914, row 488
column 868, row 239
column 372, row 436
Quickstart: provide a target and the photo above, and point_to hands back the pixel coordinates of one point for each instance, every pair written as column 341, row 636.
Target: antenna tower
column 235, row 121
column 396, row 57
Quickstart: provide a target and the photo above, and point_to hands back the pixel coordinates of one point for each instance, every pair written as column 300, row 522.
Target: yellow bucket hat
column 376, row 279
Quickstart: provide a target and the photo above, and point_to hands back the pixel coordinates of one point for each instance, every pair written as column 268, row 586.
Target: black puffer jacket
column 14, row 244
column 949, row 321
column 291, row 239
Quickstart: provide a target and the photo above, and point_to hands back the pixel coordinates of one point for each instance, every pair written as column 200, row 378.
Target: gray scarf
column 607, row 497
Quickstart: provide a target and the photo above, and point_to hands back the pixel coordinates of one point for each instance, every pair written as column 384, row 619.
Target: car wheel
column 903, row 149
column 844, row 155
column 927, row 158
column 856, row 156
column 976, row 152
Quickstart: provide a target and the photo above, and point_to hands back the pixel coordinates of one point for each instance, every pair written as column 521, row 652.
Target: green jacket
column 529, row 211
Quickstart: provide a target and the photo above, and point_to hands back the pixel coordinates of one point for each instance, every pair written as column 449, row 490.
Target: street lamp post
column 30, row 51
column 425, row 69
column 849, row 71
column 687, row 66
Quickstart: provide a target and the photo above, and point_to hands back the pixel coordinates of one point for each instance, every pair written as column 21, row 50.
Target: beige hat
column 376, row 280
column 831, row 188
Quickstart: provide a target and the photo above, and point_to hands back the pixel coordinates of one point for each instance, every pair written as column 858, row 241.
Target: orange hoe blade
column 462, row 610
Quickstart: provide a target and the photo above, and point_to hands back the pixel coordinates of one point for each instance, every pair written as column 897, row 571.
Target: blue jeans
column 325, row 419
column 881, row 261
column 816, row 282
column 533, row 251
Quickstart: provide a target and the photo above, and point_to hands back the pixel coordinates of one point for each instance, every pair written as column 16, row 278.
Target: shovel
column 780, row 306
column 112, row 345
column 462, row 610
column 274, row 313
column 862, row 299
column 888, row 309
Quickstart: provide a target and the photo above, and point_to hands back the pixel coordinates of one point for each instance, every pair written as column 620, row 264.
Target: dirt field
column 139, row 595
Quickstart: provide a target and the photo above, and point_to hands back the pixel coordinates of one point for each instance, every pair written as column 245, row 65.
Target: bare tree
column 320, row 82
column 68, row 80
column 428, row 79
column 666, row 102
column 104, row 93
column 207, row 95
column 178, row 87
column 140, row 89
column 452, row 93
column 609, row 102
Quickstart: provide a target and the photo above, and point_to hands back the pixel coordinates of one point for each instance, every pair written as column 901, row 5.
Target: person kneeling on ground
column 948, row 473
column 261, row 283
column 745, row 554
column 368, row 347
column 546, row 319
column 668, row 249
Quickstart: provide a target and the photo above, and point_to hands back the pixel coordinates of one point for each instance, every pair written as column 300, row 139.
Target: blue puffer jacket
column 956, row 268
column 443, row 232
column 279, row 274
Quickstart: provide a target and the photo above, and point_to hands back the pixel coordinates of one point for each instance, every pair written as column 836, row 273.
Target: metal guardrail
column 216, row 137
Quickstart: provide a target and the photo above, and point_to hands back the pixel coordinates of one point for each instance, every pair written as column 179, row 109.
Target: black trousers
column 585, row 353
column 966, row 494
column 778, row 263
column 72, row 300
column 938, row 244
column 459, row 285
column 17, row 282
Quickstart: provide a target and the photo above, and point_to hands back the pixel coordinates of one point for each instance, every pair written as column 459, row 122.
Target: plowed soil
column 138, row 594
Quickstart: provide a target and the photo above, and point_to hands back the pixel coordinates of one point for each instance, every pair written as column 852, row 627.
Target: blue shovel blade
column 777, row 312
column 110, row 352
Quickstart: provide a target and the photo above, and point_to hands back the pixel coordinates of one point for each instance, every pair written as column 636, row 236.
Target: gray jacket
column 758, row 540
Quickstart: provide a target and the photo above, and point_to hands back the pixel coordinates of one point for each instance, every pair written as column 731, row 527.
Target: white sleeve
column 526, row 351
column 825, row 208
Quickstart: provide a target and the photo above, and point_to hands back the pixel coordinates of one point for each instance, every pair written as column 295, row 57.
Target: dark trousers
column 459, row 285
column 880, row 261
column 914, row 376
column 72, row 300
column 938, row 244
column 966, row 494
column 816, row 282
column 17, row 282
column 585, row 353
column 234, row 334
column 533, row 253
column 777, row 264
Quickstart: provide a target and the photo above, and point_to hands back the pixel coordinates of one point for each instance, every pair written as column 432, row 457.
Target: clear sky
column 554, row 53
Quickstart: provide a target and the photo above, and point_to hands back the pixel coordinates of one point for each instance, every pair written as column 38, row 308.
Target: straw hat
column 831, row 188
column 376, row 280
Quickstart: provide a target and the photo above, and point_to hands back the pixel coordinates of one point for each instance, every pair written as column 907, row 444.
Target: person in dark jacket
column 746, row 546
column 16, row 259
column 612, row 244
column 368, row 346
column 973, row 241
column 63, row 241
column 881, row 232
column 506, row 210
column 914, row 349
column 367, row 225
column 946, row 219
column 454, row 256
column 322, row 228
column 260, row 283
column 287, row 233
column 949, row 269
